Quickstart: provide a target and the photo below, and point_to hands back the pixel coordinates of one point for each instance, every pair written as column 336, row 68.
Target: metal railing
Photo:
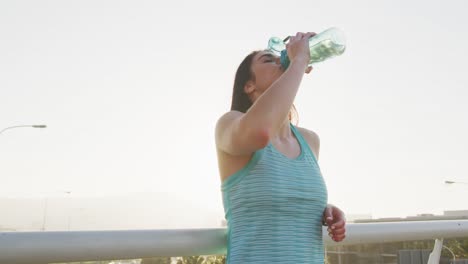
column 72, row 246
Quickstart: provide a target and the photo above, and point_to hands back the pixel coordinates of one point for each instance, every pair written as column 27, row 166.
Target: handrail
column 72, row 246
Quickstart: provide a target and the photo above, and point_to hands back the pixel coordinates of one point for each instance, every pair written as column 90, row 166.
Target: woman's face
column 267, row 69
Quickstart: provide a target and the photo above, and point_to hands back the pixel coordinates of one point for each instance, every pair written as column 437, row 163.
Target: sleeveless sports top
column 274, row 207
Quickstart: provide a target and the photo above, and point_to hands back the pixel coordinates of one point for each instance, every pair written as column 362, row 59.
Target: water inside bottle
column 324, row 50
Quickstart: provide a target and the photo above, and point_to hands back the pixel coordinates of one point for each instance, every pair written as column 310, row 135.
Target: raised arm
column 243, row 133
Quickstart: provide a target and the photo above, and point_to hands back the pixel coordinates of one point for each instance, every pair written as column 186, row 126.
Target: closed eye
column 267, row 58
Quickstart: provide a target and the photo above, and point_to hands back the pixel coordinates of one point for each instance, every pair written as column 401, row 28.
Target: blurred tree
column 191, row 260
column 212, row 259
column 157, row 260
column 459, row 247
column 221, row 259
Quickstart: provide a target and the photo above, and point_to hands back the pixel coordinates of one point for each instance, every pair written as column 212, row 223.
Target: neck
column 284, row 132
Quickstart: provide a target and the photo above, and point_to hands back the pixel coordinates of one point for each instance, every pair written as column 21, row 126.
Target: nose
column 277, row 60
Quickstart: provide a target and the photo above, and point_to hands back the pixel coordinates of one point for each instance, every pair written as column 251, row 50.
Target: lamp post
column 45, row 212
column 33, row 126
column 69, row 210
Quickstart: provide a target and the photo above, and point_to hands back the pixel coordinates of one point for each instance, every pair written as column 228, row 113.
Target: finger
column 338, row 238
column 327, row 216
column 292, row 39
column 334, row 229
column 339, row 224
column 341, row 231
column 336, row 235
column 310, row 34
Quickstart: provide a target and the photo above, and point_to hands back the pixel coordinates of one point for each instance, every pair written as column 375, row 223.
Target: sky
column 131, row 91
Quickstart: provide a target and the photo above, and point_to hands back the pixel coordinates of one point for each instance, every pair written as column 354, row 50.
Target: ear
column 249, row 87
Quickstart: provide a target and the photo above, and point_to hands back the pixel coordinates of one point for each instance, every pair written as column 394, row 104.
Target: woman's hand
column 335, row 219
column 298, row 47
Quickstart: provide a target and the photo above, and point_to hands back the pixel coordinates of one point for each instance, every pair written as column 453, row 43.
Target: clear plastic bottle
column 325, row 45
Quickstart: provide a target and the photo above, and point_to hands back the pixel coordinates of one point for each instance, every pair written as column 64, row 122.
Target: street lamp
column 455, row 182
column 33, row 126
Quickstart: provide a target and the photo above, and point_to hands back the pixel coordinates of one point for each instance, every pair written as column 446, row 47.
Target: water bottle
column 325, row 45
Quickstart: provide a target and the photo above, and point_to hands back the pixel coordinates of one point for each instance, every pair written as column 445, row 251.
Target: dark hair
column 240, row 100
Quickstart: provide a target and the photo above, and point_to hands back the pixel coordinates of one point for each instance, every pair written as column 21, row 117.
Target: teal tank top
column 274, row 207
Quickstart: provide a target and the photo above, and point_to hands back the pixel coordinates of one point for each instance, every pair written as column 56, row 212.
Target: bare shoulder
column 312, row 139
column 309, row 134
column 225, row 120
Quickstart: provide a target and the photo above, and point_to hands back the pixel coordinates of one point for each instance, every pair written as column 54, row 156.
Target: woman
column 274, row 195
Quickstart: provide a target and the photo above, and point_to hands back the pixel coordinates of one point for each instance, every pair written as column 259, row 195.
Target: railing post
column 434, row 257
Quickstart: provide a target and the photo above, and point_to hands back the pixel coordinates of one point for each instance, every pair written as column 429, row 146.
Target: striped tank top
column 274, row 207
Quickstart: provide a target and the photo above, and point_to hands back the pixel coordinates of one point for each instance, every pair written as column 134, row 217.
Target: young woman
column 274, row 195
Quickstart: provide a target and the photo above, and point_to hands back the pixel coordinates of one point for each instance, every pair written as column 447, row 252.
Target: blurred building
column 448, row 215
